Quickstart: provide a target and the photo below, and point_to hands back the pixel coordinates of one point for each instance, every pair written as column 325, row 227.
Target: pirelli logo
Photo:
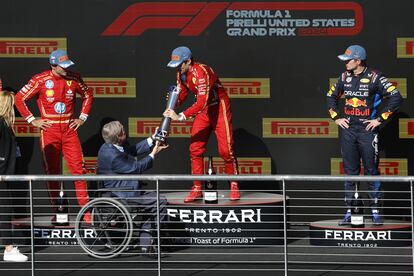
column 406, row 127
column 299, row 128
column 387, row 166
column 247, row 165
column 89, row 165
column 247, row 87
column 144, row 127
column 405, row 47
column 112, row 87
column 23, row 129
column 400, row 83
column 17, row 47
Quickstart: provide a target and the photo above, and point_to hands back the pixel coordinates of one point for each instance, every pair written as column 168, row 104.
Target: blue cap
column 178, row 56
column 61, row 58
column 354, row 52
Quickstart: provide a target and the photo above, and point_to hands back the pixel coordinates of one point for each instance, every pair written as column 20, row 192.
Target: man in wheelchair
column 113, row 159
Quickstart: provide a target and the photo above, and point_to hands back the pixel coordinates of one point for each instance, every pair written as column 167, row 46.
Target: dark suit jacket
column 7, row 149
column 112, row 161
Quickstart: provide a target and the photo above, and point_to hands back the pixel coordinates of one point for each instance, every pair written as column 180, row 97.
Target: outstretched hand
column 158, row 147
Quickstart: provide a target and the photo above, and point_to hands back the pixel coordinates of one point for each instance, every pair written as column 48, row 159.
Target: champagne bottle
column 62, row 213
column 357, row 210
column 210, row 189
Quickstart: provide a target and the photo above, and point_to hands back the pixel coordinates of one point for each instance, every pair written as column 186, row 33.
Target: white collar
column 121, row 149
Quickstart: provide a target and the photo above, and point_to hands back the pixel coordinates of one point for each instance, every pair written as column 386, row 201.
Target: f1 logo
column 192, row 18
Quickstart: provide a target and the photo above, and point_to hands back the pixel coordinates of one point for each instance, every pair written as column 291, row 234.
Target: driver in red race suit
column 55, row 90
column 211, row 112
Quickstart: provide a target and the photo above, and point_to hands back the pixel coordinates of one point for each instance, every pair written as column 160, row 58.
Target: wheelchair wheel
column 110, row 230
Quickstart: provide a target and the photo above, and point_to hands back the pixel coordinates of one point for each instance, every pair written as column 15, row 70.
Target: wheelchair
column 115, row 226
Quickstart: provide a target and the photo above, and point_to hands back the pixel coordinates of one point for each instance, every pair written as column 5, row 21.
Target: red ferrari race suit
column 56, row 99
column 211, row 112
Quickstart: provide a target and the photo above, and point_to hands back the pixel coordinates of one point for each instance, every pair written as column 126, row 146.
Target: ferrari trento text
column 216, row 216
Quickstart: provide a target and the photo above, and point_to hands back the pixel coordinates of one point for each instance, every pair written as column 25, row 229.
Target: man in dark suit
column 115, row 159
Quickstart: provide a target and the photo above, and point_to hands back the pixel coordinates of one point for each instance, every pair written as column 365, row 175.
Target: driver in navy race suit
column 370, row 99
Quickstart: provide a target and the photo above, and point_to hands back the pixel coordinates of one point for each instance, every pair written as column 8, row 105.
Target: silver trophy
column 164, row 128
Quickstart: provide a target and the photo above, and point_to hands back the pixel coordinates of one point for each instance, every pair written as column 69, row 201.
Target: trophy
column 164, row 127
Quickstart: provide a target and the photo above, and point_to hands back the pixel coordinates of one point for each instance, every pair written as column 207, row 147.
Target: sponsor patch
column 49, row 84
column 60, row 108
column 391, row 88
column 332, row 113
column 63, row 58
column 175, row 58
column 365, row 80
column 355, row 102
column 385, row 115
column 50, row 93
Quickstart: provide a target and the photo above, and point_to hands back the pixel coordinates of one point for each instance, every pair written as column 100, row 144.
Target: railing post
column 31, row 227
column 158, row 229
column 412, row 221
column 285, row 227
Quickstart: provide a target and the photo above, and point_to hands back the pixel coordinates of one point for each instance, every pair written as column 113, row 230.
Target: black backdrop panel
column 290, row 48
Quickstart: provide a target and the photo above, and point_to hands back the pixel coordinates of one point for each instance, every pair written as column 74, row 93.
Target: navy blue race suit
column 368, row 96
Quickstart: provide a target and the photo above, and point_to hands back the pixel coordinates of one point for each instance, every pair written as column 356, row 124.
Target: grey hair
column 110, row 132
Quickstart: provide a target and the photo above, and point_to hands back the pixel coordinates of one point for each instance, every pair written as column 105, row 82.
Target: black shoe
column 347, row 218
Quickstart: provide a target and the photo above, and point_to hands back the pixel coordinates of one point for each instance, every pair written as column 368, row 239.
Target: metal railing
column 284, row 180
